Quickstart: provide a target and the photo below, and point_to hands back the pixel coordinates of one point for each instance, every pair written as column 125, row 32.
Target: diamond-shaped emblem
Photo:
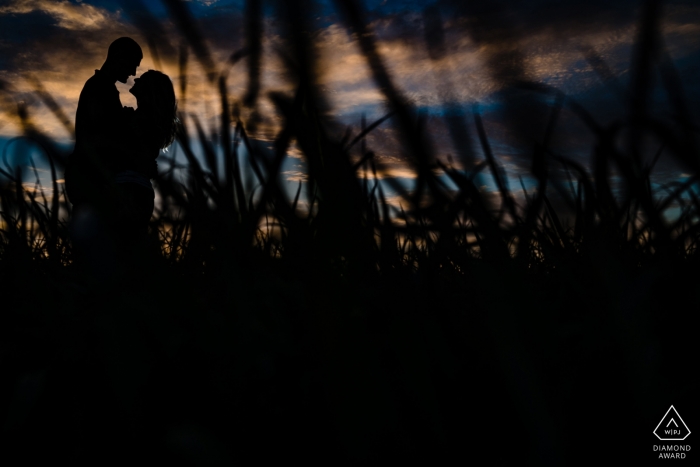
column 671, row 427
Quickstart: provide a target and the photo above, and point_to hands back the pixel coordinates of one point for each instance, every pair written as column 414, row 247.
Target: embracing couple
column 108, row 176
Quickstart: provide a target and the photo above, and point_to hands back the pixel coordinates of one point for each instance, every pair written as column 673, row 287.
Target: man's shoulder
column 98, row 83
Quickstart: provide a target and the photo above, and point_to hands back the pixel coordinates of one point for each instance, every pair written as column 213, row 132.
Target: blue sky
column 488, row 45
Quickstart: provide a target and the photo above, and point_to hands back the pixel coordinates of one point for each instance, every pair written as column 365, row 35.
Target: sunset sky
column 488, row 47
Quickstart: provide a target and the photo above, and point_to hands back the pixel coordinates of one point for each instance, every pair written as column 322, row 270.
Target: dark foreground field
column 332, row 328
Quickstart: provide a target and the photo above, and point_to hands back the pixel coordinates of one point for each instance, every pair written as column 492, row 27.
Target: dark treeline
column 333, row 328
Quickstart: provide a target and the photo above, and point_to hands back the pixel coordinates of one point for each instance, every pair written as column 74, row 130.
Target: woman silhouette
column 152, row 128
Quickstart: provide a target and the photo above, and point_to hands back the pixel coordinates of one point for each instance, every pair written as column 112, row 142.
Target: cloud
column 295, row 176
column 68, row 15
column 548, row 46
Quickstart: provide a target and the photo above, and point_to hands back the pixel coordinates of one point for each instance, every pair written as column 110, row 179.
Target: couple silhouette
column 108, row 176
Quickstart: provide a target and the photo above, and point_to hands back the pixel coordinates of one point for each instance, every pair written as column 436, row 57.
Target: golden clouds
column 461, row 76
column 295, row 176
column 68, row 15
column 347, row 78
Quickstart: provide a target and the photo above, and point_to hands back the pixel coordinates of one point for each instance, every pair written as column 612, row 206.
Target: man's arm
column 108, row 122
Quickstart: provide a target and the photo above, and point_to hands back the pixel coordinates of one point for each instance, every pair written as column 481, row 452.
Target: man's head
column 123, row 57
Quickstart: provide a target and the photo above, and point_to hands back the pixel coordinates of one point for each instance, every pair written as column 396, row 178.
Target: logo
column 671, row 427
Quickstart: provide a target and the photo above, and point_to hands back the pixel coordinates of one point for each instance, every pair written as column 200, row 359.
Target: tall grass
column 332, row 327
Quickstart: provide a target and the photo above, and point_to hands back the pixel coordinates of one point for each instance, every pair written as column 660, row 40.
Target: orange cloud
column 68, row 15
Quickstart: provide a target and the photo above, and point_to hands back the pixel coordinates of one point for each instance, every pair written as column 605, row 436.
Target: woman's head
column 155, row 97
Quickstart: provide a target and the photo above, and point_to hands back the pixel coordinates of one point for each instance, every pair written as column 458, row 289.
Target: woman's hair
column 157, row 100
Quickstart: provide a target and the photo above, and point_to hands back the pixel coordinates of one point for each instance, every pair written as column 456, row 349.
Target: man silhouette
column 100, row 123
column 100, row 129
